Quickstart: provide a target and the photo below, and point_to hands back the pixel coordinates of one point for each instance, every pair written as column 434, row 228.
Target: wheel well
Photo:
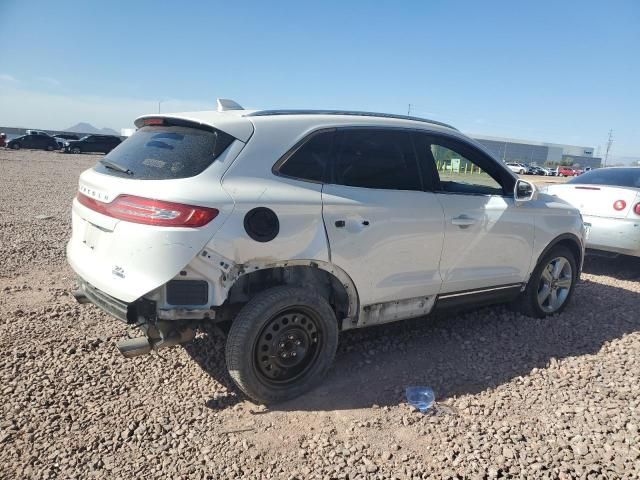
column 324, row 283
column 570, row 242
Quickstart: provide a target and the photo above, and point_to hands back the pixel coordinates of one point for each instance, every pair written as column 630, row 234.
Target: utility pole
column 609, row 142
column 159, row 102
column 409, row 110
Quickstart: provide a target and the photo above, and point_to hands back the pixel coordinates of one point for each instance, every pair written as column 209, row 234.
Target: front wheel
column 281, row 344
column 75, row 150
column 551, row 284
column 15, row 146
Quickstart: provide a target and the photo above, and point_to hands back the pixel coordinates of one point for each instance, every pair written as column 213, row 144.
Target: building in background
column 539, row 153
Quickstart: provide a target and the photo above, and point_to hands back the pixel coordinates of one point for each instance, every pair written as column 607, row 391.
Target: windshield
column 165, row 152
column 616, row 177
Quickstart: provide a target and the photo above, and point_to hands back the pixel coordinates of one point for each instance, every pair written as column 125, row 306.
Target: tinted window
column 163, row 152
column 377, row 159
column 619, row 177
column 309, row 162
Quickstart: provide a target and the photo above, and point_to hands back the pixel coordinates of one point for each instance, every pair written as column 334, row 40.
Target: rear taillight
column 151, row 212
column 636, row 209
column 619, row 205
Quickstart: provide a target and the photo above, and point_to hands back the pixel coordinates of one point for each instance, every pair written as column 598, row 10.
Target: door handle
column 463, row 221
column 340, row 223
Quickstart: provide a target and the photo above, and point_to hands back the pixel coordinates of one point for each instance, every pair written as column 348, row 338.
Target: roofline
column 265, row 113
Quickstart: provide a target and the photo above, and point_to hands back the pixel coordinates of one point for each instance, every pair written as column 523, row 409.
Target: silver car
column 609, row 201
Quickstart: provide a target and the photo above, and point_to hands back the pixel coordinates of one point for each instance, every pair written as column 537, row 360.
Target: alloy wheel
column 555, row 284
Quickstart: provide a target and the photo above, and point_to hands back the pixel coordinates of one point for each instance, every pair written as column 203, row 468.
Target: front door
column 488, row 239
column 384, row 230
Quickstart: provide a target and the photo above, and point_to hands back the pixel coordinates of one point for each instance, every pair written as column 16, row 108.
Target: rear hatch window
column 165, row 152
column 615, row 177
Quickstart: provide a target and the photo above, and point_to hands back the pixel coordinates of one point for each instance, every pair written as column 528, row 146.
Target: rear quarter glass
column 166, row 152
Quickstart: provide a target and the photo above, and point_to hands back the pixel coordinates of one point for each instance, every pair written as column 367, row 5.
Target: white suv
column 295, row 225
column 517, row 168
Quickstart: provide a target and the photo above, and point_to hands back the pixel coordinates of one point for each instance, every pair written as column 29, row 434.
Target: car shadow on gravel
column 622, row 267
column 456, row 354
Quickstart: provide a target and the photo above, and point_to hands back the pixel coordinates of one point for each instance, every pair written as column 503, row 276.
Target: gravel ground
column 516, row 397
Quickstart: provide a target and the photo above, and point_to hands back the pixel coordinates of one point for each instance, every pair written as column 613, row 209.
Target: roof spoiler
column 225, row 104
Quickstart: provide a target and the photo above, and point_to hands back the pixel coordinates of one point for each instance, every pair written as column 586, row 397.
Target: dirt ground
column 516, row 397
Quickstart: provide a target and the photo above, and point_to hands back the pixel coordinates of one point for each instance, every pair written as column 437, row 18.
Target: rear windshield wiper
column 116, row 167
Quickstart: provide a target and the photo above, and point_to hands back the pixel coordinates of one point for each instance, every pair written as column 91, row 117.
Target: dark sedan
column 93, row 143
column 37, row 142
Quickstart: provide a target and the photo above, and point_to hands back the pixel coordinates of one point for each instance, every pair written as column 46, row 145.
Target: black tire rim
column 288, row 346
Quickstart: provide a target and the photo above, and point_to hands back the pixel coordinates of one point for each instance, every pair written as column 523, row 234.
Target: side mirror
column 524, row 191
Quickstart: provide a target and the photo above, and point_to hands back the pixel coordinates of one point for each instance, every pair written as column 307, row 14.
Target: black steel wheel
column 281, row 343
column 288, row 345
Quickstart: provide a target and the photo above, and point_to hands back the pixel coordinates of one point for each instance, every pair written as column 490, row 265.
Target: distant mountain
column 84, row 127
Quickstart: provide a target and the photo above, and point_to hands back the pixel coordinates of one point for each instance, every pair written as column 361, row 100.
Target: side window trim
column 504, row 179
column 275, row 169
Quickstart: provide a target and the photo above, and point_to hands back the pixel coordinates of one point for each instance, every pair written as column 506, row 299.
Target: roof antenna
column 225, row 104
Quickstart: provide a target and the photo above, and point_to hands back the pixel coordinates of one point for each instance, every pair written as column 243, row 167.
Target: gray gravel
column 516, row 397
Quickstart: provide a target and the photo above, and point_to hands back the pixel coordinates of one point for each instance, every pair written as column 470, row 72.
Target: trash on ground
column 420, row 397
column 43, row 217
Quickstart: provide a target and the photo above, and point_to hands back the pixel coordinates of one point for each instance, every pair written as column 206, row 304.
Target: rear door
column 488, row 240
column 384, row 230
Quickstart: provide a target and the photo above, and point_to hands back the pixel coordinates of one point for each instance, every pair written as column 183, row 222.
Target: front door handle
column 340, row 223
column 463, row 221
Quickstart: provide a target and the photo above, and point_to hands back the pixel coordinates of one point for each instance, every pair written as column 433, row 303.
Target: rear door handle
column 340, row 223
column 463, row 221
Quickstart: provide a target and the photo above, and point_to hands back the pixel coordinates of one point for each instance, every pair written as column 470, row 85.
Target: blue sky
column 564, row 72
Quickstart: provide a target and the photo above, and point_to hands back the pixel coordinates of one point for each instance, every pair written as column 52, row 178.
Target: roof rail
column 265, row 113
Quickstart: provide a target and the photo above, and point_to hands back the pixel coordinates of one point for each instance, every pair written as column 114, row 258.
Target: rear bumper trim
column 112, row 306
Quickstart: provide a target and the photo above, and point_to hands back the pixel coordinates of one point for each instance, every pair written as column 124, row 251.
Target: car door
column 384, row 230
column 28, row 142
column 488, row 239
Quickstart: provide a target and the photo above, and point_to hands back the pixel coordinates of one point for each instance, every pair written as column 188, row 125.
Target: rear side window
column 375, row 158
column 309, row 162
column 166, row 152
column 614, row 177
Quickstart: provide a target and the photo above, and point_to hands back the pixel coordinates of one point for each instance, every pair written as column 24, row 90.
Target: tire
column 15, row 146
column 49, row 149
column 76, row 150
column 281, row 344
column 530, row 304
column 522, row 172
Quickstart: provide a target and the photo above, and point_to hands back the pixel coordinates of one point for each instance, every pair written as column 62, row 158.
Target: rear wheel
column 75, row 150
column 551, row 284
column 49, row 148
column 281, row 344
column 15, row 146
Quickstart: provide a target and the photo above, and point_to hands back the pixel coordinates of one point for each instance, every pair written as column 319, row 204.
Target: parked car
column 517, row 168
column 565, row 172
column 37, row 142
column 292, row 226
column 62, row 138
column 535, row 170
column 92, row 144
column 609, row 200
